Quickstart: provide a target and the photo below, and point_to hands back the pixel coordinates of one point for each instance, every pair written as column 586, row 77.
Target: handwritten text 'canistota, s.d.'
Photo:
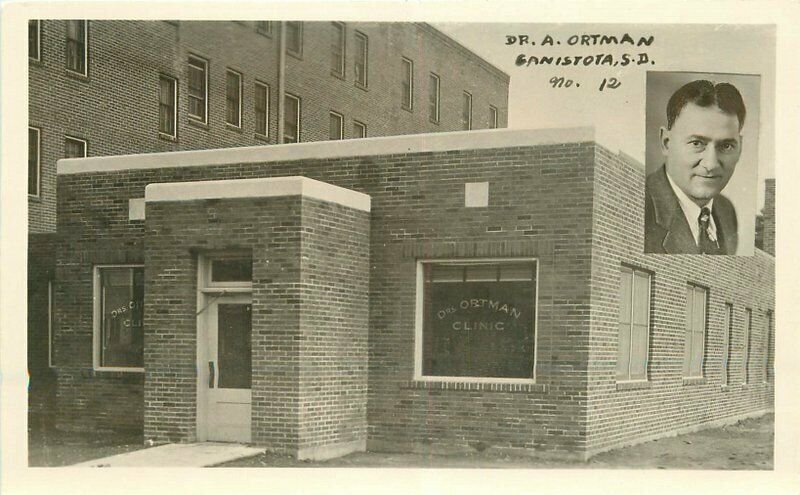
column 591, row 51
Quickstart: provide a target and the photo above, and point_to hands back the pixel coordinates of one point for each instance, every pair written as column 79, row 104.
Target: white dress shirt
column 692, row 212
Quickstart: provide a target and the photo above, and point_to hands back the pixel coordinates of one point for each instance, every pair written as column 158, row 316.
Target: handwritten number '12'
column 612, row 83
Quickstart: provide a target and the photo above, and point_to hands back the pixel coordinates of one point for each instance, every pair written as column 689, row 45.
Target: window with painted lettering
column 634, row 320
column 118, row 315
column 476, row 320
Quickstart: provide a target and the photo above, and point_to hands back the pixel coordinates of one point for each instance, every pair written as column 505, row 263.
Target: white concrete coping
column 414, row 143
column 256, row 188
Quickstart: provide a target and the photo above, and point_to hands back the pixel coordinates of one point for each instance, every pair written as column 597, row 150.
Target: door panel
column 229, row 369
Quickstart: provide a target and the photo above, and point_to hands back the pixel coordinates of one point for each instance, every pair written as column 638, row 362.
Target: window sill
column 467, row 386
column 433, row 121
column 167, row 137
column 77, row 75
column 234, row 128
column 407, row 109
column 197, row 123
column 297, row 55
column 338, row 75
column 261, row 137
column 35, row 61
column 35, row 198
column 634, row 385
column 360, row 86
column 700, row 380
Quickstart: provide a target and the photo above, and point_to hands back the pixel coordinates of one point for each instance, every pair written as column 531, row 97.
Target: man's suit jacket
column 665, row 226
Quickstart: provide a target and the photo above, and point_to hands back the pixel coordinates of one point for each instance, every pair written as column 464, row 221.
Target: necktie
column 706, row 243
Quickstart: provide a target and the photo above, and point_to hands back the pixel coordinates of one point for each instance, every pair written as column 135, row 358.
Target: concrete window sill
column 475, row 386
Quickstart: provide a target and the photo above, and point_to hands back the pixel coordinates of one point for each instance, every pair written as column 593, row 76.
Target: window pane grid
column 361, row 59
column 634, row 314
column 167, row 106
column 261, row 103
column 74, row 148
column 336, row 130
column 197, row 88
column 76, row 46
column 408, row 84
column 337, row 49
column 694, row 347
column 291, row 125
column 233, row 98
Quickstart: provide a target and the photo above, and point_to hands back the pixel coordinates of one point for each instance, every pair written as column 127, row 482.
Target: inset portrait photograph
column 702, row 163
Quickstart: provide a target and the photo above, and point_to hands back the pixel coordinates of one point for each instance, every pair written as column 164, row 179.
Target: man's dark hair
column 706, row 94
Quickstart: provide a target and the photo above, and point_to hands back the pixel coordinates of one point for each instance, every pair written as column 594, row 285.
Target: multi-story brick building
column 116, row 87
column 455, row 291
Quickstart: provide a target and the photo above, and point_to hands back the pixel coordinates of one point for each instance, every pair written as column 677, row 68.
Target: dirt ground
column 747, row 444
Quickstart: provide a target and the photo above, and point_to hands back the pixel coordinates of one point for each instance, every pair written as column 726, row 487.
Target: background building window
column 433, row 98
column 466, row 111
column 408, row 84
column 291, row 119
column 493, row 123
column 76, row 46
column 634, row 324
column 198, row 89
column 33, row 161
column 75, row 147
column 695, row 331
column 167, row 105
column 337, row 49
column 264, row 27
column 748, row 321
column 726, row 343
column 294, row 38
column 34, row 39
column 359, row 129
column 336, row 127
column 478, row 319
column 261, row 103
column 119, row 301
column 361, row 65
column 233, row 98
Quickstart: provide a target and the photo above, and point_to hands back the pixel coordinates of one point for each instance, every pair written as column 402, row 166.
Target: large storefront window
column 119, row 311
column 478, row 319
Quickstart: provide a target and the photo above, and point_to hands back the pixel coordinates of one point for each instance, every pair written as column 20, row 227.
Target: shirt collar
column 692, row 212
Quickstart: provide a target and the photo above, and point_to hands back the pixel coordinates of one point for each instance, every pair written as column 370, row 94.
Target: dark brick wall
column 667, row 402
column 115, row 108
column 41, row 271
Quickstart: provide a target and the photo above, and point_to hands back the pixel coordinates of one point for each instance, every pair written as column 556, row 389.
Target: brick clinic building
column 457, row 291
column 115, row 87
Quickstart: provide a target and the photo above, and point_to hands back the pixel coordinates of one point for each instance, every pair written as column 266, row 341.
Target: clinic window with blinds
column 634, row 324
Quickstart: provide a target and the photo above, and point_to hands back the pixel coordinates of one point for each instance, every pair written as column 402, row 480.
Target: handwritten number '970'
column 561, row 82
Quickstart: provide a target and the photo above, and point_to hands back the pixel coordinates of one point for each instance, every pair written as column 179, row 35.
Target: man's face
column 701, row 151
